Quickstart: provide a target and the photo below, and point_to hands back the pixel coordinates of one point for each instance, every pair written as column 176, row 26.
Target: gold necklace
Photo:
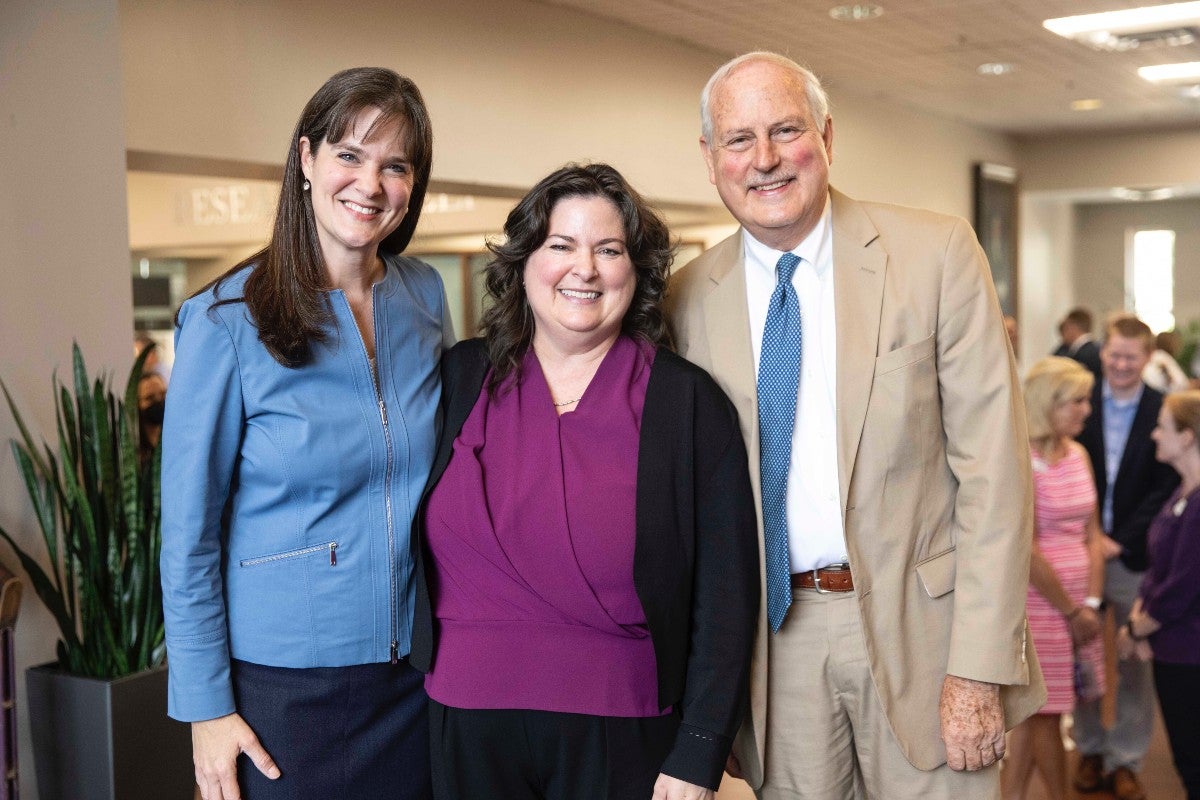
column 566, row 402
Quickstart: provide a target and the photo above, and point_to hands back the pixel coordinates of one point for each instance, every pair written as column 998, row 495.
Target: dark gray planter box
column 106, row 740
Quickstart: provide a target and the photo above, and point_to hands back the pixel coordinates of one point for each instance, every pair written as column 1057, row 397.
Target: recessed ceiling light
column 996, row 68
column 1129, row 20
column 1143, row 195
column 1169, row 25
column 1186, row 72
column 856, row 13
column 1090, row 104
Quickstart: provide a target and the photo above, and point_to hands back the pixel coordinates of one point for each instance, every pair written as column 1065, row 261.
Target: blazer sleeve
column 725, row 592
column 988, row 452
column 201, row 436
column 1147, row 500
column 1176, row 593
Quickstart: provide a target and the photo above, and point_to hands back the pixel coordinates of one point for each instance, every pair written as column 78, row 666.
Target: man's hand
column 972, row 723
column 216, row 744
column 1110, row 548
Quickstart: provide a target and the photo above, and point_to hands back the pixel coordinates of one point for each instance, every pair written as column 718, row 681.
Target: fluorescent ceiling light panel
column 1130, row 20
column 1187, row 72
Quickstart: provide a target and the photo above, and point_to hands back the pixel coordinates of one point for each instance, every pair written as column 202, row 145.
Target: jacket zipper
column 316, row 548
column 391, row 535
column 393, row 589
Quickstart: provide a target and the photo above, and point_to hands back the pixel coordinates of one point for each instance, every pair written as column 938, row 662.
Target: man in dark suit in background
column 1132, row 487
column 1077, row 342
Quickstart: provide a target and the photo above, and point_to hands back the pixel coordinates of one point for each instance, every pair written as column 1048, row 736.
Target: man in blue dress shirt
column 1132, row 486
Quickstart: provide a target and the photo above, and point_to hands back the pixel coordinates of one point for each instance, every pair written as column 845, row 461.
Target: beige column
column 64, row 255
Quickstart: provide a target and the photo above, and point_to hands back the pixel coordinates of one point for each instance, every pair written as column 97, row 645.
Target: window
column 1150, row 278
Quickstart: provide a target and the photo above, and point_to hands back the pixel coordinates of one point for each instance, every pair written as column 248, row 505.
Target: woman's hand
column 1084, row 623
column 668, row 788
column 216, row 744
column 1129, row 648
column 1125, row 644
column 1143, row 622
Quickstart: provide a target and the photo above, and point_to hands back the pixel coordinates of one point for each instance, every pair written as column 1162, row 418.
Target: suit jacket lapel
column 1144, row 420
column 725, row 311
column 859, row 272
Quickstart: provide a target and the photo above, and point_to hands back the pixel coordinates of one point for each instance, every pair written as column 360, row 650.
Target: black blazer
column 1088, row 354
column 695, row 565
column 1143, row 482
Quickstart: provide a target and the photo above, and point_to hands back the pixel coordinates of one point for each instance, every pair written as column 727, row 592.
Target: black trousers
column 337, row 733
column 1178, row 687
column 507, row 754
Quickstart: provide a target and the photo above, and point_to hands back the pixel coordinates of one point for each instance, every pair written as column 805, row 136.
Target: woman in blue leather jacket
column 299, row 431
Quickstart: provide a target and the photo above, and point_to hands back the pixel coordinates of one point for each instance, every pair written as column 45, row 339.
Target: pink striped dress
column 1064, row 499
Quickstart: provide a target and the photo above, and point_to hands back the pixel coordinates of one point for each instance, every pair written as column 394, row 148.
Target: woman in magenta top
column 589, row 540
column 1165, row 621
column 1066, row 571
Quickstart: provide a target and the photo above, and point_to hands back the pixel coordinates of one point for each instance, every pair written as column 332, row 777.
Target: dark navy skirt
column 358, row 732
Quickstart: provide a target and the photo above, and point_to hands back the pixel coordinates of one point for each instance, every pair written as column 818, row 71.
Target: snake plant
column 96, row 502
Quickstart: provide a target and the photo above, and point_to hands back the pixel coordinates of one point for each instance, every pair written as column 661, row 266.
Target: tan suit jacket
column 933, row 460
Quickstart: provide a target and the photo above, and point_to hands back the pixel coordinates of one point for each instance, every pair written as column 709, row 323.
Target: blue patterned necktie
column 778, row 382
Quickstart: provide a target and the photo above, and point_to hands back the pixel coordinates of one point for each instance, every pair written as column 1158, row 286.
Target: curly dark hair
column 507, row 324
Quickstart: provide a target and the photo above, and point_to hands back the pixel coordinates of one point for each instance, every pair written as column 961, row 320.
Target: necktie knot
column 785, row 267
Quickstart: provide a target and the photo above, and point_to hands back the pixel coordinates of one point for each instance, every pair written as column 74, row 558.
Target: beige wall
column 1099, row 264
column 886, row 152
column 1100, row 161
column 65, row 262
column 1047, row 277
column 515, row 89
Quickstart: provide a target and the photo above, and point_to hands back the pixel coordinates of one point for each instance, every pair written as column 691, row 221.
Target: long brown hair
column 285, row 291
column 508, row 324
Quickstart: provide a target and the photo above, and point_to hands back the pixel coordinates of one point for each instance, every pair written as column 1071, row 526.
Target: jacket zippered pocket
column 327, row 547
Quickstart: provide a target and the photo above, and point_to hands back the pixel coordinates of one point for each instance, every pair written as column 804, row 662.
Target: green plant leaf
column 45, row 590
column 97, row 506
column 25, row 437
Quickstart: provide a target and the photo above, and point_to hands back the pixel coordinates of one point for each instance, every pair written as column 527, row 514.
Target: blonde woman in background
column 1066, row 570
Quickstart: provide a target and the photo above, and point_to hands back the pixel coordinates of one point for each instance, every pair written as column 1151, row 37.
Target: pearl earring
column 307, row 186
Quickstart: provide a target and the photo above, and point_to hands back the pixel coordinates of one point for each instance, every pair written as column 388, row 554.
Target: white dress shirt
column 816, row 535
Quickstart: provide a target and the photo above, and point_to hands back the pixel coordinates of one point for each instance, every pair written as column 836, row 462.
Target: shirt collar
column 1106, row 394
column 808, row 249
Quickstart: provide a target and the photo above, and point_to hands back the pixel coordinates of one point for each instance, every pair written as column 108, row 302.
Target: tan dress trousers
column 827, row 736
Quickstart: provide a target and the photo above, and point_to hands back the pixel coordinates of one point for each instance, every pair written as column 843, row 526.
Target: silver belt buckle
column 817, row 584
column 838, row 567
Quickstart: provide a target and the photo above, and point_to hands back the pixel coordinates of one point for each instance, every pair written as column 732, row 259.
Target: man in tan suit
column 894, row 654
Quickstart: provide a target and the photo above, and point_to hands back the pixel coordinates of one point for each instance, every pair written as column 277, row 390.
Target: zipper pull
column 383, row 412
column 395, row 652
column 333, row 554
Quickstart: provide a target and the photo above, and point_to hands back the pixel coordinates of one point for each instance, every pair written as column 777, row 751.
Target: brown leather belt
column 834, row 578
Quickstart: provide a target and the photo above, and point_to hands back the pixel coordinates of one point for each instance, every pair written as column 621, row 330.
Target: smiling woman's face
column 580, row 281
column 360, row 187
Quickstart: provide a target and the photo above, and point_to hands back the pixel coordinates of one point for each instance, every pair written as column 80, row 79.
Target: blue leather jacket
column 288, row 494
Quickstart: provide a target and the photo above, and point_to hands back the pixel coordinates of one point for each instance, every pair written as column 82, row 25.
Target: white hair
column 818, row 101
